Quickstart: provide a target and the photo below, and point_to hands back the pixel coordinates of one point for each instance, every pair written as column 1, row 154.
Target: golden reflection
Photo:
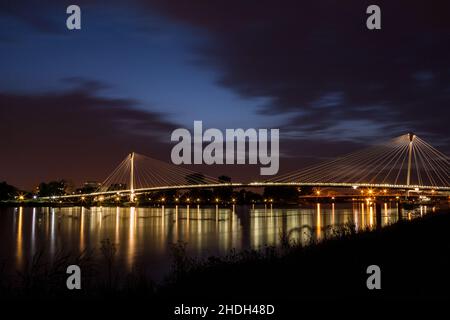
column 256, row 231
column 332, row 214
column 386, row 217
column 131, row 238
column 318, row 223
column 82, row 229
column 70, row 222
column 370, row 216
column 117, row 236
column 19, row 240
column 363, row 216
column 200, row 225
column 100, row 217
column 176, row 221
column 187, row 221
column 92, row 216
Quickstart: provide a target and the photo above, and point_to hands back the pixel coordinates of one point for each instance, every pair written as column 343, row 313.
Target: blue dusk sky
column 73, row 103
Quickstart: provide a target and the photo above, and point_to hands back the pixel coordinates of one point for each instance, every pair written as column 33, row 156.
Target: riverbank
column 413, row 257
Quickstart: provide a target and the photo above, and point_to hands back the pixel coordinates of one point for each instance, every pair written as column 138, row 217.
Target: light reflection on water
column 143, row 235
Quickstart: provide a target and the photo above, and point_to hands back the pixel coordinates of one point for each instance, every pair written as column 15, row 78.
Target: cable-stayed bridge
column 406, row 162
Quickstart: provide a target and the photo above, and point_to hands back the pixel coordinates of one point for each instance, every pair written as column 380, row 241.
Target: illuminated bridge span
column 406, row 162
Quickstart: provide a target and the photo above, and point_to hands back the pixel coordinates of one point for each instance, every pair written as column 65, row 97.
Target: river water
column 142, row 236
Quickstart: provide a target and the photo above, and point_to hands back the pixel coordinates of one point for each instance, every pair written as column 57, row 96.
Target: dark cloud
column 82, row 135
column 314, row 61
column 320, row 65
column 46, row 16
column 32, row 13
column 77, row 134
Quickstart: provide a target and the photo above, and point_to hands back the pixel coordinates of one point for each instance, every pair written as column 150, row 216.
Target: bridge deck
column 254, row 185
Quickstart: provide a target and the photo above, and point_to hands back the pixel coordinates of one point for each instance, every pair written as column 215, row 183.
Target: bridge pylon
column 132, row 196
column 411, row 137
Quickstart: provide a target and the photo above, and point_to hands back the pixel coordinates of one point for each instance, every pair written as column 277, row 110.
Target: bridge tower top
column 411, row 137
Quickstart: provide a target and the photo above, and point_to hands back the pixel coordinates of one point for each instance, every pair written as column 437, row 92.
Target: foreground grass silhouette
column 414, row 257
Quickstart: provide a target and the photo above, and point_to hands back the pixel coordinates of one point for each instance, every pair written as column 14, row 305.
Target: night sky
column 74, row 103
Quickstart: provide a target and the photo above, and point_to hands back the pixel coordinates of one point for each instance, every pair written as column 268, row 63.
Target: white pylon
column 132, row 177
column 408, row 176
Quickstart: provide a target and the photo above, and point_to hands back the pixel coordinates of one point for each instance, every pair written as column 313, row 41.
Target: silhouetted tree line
column 224, row 194
column 7, row 192
column 52, row 188
column 285, row 194
column 204, row 195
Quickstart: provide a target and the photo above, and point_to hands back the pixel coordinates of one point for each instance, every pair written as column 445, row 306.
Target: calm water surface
column 144, row 235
